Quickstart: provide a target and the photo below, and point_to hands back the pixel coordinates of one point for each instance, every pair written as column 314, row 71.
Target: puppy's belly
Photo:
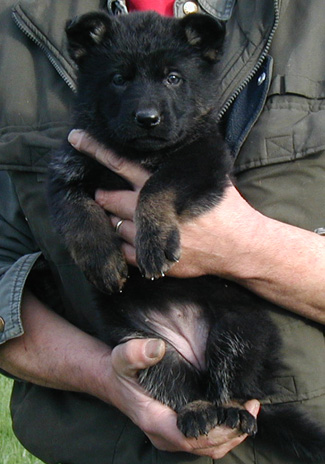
column 184, row 328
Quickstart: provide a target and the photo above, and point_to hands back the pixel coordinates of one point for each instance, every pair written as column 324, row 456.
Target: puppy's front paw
column 105, row 268
column 157, row 239
column 157, row 249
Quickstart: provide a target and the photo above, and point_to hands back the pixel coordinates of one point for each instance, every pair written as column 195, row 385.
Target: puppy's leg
column 230, row 381
column 83, row 224
column 157, row 240
column 188, row 184
column 173, row 381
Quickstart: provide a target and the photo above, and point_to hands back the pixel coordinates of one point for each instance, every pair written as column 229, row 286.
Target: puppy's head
column 144, row 81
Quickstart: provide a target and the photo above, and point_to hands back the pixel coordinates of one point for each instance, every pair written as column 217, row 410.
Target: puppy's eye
column 173, row 79
column 118, row 80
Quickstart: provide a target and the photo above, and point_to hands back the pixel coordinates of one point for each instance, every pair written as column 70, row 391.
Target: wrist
column 246, row 246
column 52, row 352
column 98, row 381
column 236, row 233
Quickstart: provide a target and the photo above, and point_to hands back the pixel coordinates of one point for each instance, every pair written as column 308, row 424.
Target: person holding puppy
column 70, row 384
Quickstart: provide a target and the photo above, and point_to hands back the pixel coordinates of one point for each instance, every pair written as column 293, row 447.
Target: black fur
column 147, row 89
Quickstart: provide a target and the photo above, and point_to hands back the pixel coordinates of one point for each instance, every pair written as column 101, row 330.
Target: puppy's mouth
column 150, row 142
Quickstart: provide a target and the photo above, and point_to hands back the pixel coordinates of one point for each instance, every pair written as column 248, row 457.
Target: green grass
column 11, row 451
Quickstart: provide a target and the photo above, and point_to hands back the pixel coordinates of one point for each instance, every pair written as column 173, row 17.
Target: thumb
column 253, row 406
column 134, row 355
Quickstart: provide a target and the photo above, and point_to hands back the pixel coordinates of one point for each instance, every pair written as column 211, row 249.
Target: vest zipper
column 23, row 26
column 258, row 64
column 117, row 7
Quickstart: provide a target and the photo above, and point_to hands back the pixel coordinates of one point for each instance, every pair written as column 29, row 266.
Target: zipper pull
column 117, row 7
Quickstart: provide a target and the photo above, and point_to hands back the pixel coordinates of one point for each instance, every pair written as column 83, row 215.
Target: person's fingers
column 133, row 173
column 220, row 436
column 129, row 253
column 219, row 451
column 126, row 229
column 253, row 406
column 128, row 358
column 121, row 203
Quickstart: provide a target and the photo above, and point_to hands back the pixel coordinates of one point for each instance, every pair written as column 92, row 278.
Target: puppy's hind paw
column 198, row 418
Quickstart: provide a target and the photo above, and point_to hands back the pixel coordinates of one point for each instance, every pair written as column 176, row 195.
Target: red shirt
column 164, row 7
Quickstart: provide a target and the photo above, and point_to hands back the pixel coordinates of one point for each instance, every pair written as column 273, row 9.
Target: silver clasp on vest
column 117, row 7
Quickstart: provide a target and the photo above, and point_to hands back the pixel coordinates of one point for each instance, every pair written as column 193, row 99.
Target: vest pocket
column 280, row 168
column 290, row 127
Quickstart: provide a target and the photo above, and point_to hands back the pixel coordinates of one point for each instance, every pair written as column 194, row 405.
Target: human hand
column 212, row 243
column 156, row 420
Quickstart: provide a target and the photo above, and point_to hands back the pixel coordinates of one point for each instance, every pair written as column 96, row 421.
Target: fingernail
column 74, row 136
column 154, row 349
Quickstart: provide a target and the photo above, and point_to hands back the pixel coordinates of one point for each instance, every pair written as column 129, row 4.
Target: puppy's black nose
column 147, row 118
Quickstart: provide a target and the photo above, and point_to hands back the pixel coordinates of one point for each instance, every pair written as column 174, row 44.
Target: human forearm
column 52, row 352
column 284, row 264
column 287, row 266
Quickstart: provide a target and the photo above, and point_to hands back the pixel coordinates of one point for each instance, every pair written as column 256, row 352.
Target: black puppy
column 147, row 88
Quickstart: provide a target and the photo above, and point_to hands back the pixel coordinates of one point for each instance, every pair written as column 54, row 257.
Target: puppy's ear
column 204, row 33
column 85, row 32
